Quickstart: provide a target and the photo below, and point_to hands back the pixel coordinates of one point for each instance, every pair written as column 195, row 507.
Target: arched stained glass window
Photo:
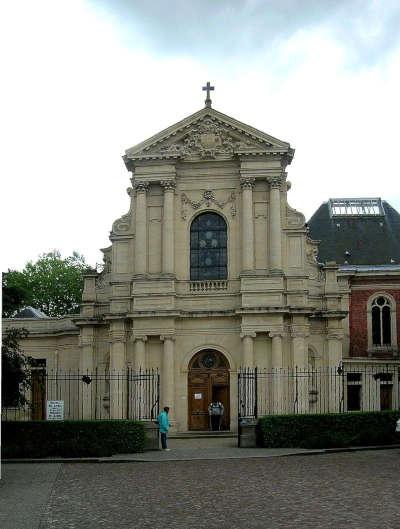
column 381, row 322
column 208, row 247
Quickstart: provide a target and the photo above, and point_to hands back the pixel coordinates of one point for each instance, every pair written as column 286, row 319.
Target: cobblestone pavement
column 357, row 490
column 24, row 490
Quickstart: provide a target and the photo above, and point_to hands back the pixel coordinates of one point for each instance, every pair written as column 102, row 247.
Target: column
column 139, row 355
column 336, row 396
column 118, row 400
column 141, row 228
column 301, row 372
column 168, row 374
column 275, row 226
column 300, row 352
column 250, row 378
column 248, row 349
column 277, row 364
column 86, row 397
column 247, row 223
column 168, row 247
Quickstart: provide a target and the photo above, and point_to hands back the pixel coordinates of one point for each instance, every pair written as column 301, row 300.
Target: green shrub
column 71, row 438
column 334, row 430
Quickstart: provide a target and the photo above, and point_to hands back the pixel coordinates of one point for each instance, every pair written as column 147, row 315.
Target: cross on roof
column 208, row 87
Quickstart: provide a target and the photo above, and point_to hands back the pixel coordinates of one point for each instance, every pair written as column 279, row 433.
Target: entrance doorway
column 208, row 380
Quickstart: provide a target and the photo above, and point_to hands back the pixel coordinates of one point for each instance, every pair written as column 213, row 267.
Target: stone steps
column 202, row 435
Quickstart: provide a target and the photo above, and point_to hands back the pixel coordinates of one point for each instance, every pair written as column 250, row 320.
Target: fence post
column 255, row 393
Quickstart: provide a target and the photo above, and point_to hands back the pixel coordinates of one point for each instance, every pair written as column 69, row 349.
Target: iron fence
column 98, row 394
column 317, row 390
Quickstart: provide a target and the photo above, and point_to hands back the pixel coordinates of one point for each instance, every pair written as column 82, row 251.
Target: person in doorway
column 163, row 423
column 216, row 411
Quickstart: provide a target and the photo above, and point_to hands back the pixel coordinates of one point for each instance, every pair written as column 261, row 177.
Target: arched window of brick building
column 208, row 247
column 381, row 321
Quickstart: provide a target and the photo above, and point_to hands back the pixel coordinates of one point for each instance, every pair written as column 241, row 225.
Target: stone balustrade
column 208, row 285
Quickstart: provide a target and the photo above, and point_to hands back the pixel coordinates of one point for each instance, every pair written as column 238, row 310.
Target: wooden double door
column 208, row 380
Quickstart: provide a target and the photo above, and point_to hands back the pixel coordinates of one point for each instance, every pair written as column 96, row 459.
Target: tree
column 14, row 297
column 52, row 284
column 14, row 364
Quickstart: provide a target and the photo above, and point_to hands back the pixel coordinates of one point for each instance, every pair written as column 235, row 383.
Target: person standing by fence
column 163, row 423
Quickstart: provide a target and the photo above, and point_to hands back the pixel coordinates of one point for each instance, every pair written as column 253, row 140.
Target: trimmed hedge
column 334, row 430
column 71, row 438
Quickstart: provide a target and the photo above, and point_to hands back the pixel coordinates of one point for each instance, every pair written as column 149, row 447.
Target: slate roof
column 30, row 312
column 357, row 239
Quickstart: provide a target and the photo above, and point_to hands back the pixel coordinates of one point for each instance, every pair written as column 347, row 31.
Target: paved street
column 334, row 491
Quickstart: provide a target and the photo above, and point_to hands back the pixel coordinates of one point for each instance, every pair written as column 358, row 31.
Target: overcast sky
column 83, row 80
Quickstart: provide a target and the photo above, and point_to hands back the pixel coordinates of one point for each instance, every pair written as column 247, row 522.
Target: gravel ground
column 357, row 490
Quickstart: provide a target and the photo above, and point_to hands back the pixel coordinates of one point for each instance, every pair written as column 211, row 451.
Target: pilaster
column 299, row 335
column 247, row 184
column 168, row 373
column 248, row 348
column 86, row 367
column 117, row 368
column 277, row 364
column 139, row 356
column 141, row 227
column 335, row 354
column 168, row 246
column 275, row 233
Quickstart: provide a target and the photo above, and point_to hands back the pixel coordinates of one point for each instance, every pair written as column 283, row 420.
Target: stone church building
column 209, row 270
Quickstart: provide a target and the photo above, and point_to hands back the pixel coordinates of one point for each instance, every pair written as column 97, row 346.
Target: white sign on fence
column 55, row 410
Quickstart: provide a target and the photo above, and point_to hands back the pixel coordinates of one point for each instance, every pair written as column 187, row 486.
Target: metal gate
column 247, row 393
column 143, row 394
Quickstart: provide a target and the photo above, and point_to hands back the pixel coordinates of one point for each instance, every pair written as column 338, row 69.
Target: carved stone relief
column 208, row 198
column 208, row 139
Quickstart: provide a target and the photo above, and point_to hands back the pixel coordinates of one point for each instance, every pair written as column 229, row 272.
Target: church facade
column 209, row 270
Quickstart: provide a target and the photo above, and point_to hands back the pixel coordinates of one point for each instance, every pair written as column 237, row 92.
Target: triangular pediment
column 207, row 134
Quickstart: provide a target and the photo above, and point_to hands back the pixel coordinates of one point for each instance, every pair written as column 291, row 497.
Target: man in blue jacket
column 163, row 424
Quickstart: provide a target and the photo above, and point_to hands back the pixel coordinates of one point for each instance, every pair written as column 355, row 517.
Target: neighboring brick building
column 363, row 237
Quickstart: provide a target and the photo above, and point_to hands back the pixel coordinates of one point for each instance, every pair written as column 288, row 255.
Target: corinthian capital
column 275, row 182
column 141, row 187
column 168, row 185
column 247, row 182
